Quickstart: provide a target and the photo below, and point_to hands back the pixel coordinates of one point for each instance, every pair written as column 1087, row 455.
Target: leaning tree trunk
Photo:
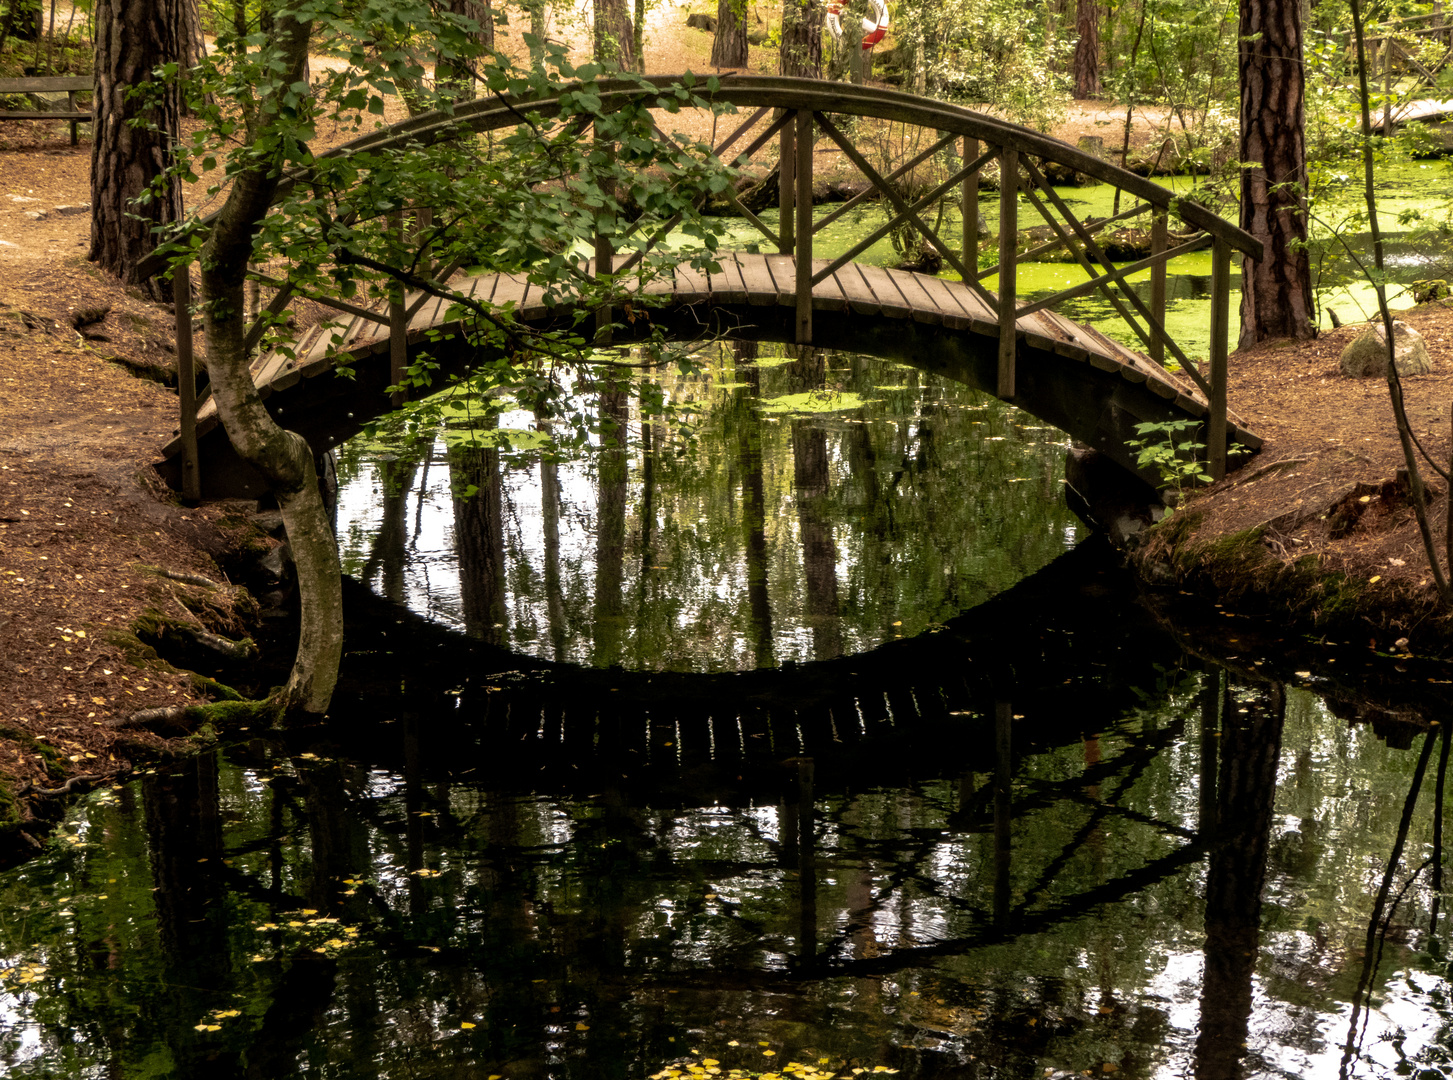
column 1276, row 296
column 1087, row 50
column 729, row 47
column 801, row 52
column 133, row 38
column 282, row 457
column 614, row 38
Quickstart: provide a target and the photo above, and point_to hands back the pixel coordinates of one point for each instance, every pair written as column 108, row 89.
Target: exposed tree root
column 189, row 719
column 65, row 789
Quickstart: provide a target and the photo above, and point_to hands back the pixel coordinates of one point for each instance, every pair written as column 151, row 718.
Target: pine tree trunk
column 801, row 52
column 614, row 37
column 1276, row 297
column 1087, row 50
column 133, row 38
column 461, row 79
column 729, row 47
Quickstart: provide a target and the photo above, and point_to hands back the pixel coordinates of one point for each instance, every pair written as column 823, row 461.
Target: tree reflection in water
column 996, row 876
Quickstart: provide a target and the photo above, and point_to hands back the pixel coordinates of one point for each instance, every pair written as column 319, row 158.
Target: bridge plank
column 692, row 285
column 881, row 282
column 783, row 269
column 510, row 289
column 761, row 289
column 827, row 294
column 910, row 285
column 856, row 291
column 950, row 311
column 973, row 305
column 727, row 286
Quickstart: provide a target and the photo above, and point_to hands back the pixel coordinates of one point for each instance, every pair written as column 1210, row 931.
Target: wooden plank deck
column 757, row 280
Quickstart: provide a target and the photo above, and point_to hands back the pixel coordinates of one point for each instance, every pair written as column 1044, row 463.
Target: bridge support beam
column 398, row 327
column 969, row 207
column 803, row 176
column 1008, row 245
column 786, row 189
column 1220, row 318
column 1159, row 228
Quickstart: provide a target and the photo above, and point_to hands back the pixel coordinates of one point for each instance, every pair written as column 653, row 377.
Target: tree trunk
column 1087, row 50
column 133, row 38
column 1276, row 298
column 447, row 73
column 614, row 37
column 729, row 47
column 283, row 457
column 801, row 52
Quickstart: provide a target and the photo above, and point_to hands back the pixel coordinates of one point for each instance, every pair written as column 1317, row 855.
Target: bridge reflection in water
column 1038, row 840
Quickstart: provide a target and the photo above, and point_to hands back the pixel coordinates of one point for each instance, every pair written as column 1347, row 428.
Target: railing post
column 187, row 384
column 803, row 177
column 969, row 206
column 1220, row 318
column 398, row 329
column 1008, row 242
column 786, row 189
column 1159, row 228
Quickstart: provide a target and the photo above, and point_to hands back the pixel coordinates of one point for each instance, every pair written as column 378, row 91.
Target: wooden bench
column 70, row 85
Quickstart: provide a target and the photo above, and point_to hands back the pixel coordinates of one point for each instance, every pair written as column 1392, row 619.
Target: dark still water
column 826, row 505
column 1143, row 869
column 858, row 763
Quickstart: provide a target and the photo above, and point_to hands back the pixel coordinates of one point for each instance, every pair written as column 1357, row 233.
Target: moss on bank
column 1250, row 571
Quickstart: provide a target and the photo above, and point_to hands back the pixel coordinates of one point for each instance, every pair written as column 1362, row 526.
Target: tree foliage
column 385, row 215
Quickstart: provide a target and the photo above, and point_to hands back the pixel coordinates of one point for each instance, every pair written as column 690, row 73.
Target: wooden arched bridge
column 1069, row 375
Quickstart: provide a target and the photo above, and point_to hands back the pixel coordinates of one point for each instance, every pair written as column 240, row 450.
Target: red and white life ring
column 876, row 27
column 873, row 29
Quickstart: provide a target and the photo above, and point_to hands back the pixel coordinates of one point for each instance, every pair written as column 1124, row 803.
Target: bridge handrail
column 776, row 92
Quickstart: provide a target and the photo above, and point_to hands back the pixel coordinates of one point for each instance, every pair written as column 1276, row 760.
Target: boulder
column 1366, row 354
column 698, row 21
column 1428, row 290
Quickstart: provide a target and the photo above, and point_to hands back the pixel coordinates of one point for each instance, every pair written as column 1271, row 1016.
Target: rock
column 698, row 21
column 21, row 198
column 51, row 102
column 1425, row 292
column 1094, row 145
column 35, row 215
column 1366, row 354
column 925, row 259
column 77, row 208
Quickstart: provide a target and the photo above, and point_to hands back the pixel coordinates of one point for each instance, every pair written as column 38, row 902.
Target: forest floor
column 92, row 546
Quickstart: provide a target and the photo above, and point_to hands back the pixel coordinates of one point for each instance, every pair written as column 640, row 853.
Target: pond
column 827, row 747
column 825, row 505
column 824, row 743
column 1043, row 841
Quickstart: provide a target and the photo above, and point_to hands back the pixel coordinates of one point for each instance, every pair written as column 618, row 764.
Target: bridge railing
column 807, row 113
column 802, row 113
